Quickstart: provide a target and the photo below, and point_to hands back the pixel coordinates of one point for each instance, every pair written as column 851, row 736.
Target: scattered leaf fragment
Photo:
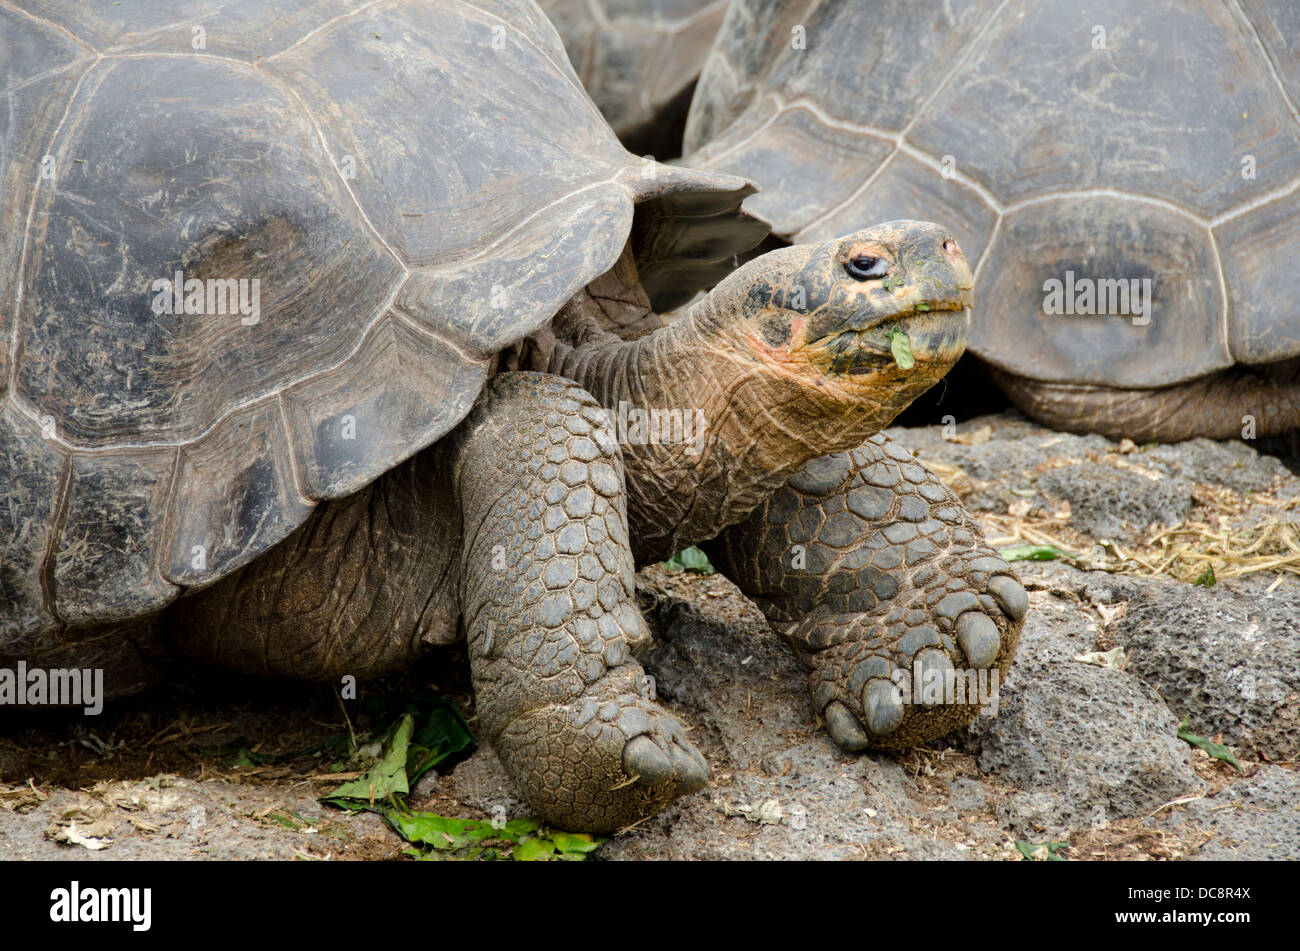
column 1041, row 851
column 768, row 812
column 1217, row 750
column 976, row 437
column 72, row 837
column 1034, row 553
column 88, row 828
column 1109, row 660
column 692, row 560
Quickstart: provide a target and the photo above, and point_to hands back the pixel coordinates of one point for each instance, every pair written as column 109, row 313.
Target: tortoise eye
column 865, row 268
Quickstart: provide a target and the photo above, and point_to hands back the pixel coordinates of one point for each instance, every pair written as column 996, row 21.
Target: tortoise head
column 879, row 315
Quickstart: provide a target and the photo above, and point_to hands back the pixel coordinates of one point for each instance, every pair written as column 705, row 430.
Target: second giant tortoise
column 639, row 60
column 318, row 360
column 1124, row 174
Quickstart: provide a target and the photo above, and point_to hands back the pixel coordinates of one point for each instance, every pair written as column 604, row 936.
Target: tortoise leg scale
column 548, row 601
column 872, row 570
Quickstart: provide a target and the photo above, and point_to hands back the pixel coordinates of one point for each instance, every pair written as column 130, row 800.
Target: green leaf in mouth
column 900, row 345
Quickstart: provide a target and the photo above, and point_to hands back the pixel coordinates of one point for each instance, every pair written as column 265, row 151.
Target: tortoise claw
column 844, row 728
column 882, row 706
column 1010, row 595
column 643, row 759
column 980, row 639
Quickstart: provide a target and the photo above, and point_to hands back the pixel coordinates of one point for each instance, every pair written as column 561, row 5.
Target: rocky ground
column 1119, row 648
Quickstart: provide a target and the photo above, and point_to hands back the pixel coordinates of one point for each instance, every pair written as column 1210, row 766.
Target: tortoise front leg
column 870, row 568
column 548, row 600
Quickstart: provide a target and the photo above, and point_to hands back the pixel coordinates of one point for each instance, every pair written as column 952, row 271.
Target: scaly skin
column 364, row 585
column 867, row 564
column 786, row 360
column 514, row 530
column 540, row 576
column 549, row 605
column 894, row 564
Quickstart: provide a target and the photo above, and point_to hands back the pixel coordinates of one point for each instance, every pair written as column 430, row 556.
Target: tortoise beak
column 933, row 336
column 938, row 336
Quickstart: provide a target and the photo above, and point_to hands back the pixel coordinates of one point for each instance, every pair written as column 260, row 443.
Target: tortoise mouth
column 932, row 338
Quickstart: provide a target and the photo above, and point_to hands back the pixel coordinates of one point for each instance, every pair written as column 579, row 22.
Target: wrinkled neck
column 707, row 428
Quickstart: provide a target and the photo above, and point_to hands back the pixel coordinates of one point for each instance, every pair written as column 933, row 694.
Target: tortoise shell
column 252, row 256
column 638, row 58
column 1119, row 141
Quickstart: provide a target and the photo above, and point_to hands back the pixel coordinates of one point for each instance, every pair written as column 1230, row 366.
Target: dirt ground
column 223, row 767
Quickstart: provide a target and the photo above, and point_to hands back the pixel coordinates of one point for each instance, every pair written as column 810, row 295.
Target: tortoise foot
column 923, row 662
column 869, row 566
column 603, row 761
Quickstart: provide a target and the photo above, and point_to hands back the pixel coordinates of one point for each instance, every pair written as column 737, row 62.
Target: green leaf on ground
column 526, row 839
column 447, row 834
column 1207, row 579
column 386, row 778
column 439, row 734
column 1035, row 553
column 1041, row 851
column 692, row 560
column 293, row 821
column 428, row 732
column 900, row 345
column 1217, row 750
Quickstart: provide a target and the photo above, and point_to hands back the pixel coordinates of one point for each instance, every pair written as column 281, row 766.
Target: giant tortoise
column 639, row 60
column 324, row 344
column 1124, row 174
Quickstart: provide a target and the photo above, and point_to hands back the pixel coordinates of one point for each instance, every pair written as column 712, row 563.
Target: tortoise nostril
column 951, row 246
